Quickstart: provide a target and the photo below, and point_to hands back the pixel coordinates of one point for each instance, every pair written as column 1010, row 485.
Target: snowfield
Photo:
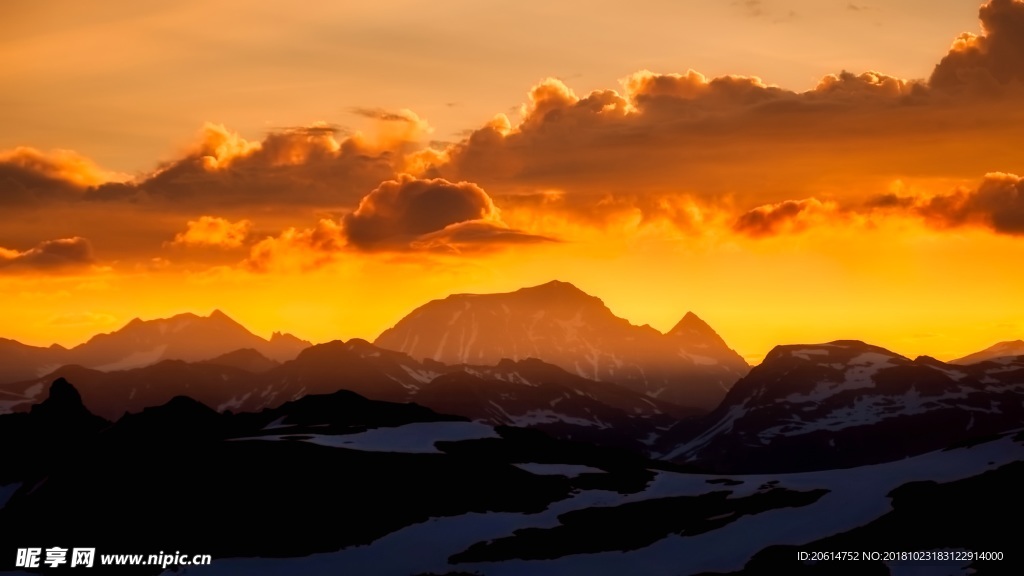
column 856, row 497
column 416, row 438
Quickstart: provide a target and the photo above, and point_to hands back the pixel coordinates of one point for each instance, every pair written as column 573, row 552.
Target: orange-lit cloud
column 298, row 250
column 785, row 217
column 993, row 58
column 213, row 231
column 49, row 255
column 997, row 203
column 410, row 212
column 474, row 235
column 29, row 176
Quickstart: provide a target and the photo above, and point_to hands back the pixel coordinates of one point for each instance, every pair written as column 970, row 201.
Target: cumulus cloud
column 300, row 166
column 295, row 166
column 213, row 231
column 661, row 148
column 49, row 255
column 473, row 236
column 298, row 250
column 29, row 176
column 784, row 217
column 66, row 165
column 401, row 212
column 997, row 203
column 996, row 56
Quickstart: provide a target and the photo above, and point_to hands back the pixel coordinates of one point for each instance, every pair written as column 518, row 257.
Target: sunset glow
column 327, row 173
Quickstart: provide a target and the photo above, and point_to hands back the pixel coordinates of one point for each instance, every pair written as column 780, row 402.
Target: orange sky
column 323, row 172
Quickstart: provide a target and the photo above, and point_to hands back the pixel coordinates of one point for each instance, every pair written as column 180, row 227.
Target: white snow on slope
column 534, row 417
column 723, row 426
column 135, row 360
column 806, row 353
column 871, row 409
column 6, row 491
column 46, row 369
column 417, row 438
column 857, row 496
column 569, row 470
column 860, row 373
column 420, row 375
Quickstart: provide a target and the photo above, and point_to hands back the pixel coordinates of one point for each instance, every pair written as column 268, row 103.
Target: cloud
column 49, row 255
column 997, row 203
column 410, row 212
column 213, row 231
column 300, row 166
column 784, row 217
column 662, row 149
column 753, row 8
column 404, row 115
column 474, row 235
column 298, row 250
column 29, row 176
column 994, row 57
column 706, row 137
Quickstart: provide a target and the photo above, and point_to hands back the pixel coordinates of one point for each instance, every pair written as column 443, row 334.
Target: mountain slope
column 183, row 337
column 847, row 403
column 527, row 393
column 20, row 361
column 560, row 324
column 1003, row 350
column 141, row 343
column 410, row 491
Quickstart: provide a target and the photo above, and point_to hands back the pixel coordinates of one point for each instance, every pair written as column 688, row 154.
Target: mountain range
column 690, row 365
column 847, row 403
column 528, row 393
column 1000, row 352
column 528, row 432
column 516, row 359
column 141, row 343
column 402, row 489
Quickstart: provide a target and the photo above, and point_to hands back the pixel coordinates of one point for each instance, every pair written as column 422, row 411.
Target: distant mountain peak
column 553, row 289
column 998, row 350
column 693, row 324
column 63, row 392
column 554, row 285
column 560, row 324
column 63, row 402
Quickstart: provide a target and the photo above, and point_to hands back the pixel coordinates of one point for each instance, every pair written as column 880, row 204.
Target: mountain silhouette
column 847, row 403
column 1003, row 351
column 141, row 343
column 560, row 324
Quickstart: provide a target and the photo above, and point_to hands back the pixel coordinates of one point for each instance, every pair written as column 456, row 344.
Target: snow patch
column 860, row 373
column 698, row 359
column 723, row 426
column 46, row 369
column 419, row 375
column 806, row 353
column 236, row 402
column 135, row 360
column 6, row 491
column 569, row 470
column 534, row 417
column 416, row 438
column 858, row 496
